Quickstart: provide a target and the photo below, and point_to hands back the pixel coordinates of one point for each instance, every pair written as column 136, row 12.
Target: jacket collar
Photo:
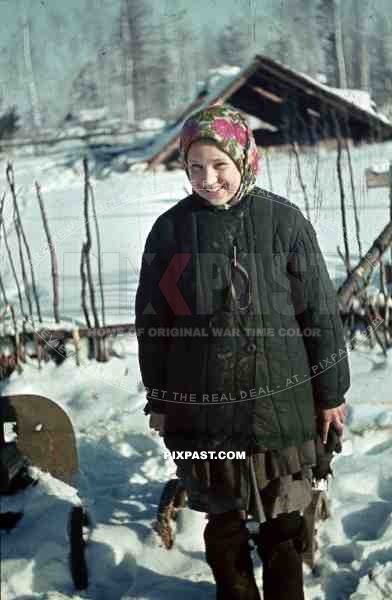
column 200, row 203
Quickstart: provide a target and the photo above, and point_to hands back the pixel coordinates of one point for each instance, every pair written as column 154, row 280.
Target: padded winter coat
column 238, row 325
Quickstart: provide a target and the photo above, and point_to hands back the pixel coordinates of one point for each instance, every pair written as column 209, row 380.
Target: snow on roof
column 361, row 99
column 220, row 75
column 151, row 124
column 358, row 98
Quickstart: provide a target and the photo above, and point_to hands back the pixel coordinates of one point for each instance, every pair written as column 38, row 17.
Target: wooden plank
column 355, row 280
column 52, row 337
column 59, row 139
column 377, row 180
column 265, row 93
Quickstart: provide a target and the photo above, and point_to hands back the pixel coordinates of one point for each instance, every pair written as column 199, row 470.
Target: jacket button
column 251, row 347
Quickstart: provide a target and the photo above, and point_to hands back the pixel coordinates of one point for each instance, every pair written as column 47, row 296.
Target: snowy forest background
column 140, row 59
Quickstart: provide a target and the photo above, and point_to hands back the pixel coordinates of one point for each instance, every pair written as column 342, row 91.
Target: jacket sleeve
column 152, row 313
column 316, row 307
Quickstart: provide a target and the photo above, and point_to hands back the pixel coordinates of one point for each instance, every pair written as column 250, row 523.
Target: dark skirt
column 262, row 485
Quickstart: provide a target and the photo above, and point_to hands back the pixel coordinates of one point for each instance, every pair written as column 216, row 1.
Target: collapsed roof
column 287, row 106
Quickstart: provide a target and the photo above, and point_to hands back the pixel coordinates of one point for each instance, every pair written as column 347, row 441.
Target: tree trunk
column 37, row 120
column 361, row 53
column 342, row 75
column 128, row 61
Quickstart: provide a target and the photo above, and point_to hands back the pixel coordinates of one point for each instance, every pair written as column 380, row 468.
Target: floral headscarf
column 231, row 133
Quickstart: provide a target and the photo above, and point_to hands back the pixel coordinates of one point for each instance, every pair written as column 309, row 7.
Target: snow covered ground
column 122, row 464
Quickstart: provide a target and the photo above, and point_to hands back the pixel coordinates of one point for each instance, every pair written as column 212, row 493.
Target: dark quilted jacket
column 252, row 287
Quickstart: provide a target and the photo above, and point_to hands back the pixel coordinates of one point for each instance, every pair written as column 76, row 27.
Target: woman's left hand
column 327, row 416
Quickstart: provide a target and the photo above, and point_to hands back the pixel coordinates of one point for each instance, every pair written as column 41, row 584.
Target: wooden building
column 289, row 107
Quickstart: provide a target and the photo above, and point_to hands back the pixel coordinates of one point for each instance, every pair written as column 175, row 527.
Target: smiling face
column 213, row 174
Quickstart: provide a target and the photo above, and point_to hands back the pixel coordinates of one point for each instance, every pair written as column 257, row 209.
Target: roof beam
column 265, row 93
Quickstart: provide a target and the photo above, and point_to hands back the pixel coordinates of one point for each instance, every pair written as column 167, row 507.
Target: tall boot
column 228, row 554
column 282, row 573
column 280, row 545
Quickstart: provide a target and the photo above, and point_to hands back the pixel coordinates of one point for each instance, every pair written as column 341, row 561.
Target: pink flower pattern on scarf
column 223, row 128
column 231, row 133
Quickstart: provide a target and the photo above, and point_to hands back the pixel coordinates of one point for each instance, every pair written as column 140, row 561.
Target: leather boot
column 228, row 554
column 282, row 573
column 280, row 545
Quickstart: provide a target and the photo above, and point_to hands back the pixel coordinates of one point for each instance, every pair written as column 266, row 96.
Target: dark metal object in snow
column 36, row 431
column 44, row 434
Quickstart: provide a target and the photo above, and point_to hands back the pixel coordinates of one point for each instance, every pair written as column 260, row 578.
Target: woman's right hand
column 335, row 416
column 157, row 422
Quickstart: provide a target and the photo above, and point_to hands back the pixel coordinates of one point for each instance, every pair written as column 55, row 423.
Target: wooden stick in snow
column 83, row 280
column 390, row 197
column 53, row 255
column 342, row 195
column 16, row 338
column 316, row 190
column 300, row 178
column 383, row 289
column 11, row 183
column 14, row 274
column 3, row 292
column 102, row 354
column 340, row 253
column 76, row 341
column 382, row 277
column 361, row 273
column 100, row 278
column 268, row 166
column 2, row 288
column 354, row 196
column 20, row 232
column 87, row 245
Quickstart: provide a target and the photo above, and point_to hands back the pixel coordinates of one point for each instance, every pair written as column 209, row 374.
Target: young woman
column 241, row 349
